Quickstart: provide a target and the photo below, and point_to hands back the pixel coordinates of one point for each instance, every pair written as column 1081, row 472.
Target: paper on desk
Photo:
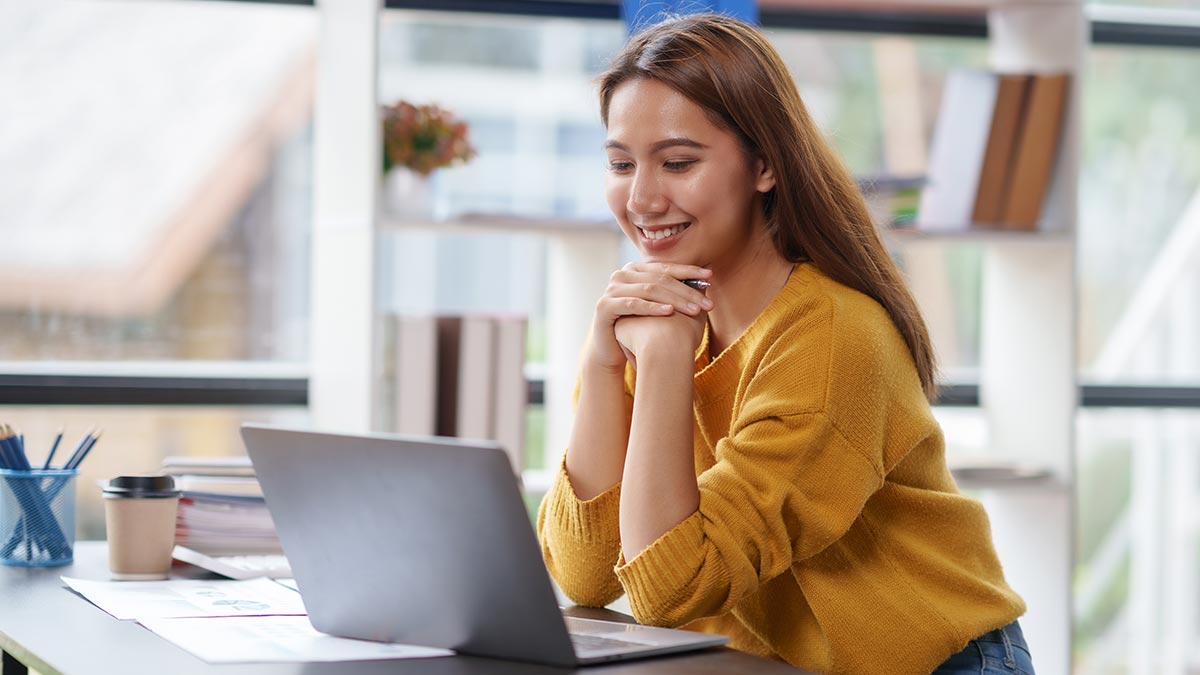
column 290, row 583
column 259, row 639
column 189, row 598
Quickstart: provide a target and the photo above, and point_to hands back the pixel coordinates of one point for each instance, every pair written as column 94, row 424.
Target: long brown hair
column 815, row 211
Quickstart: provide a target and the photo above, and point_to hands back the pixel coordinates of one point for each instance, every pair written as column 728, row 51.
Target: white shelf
column 1006, row 477
column 479, row 223
column 979, row 235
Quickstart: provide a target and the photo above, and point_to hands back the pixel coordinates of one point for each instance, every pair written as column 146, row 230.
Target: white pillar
column 345, row 191
column 1028, row 382
column 578, row 268
column 1028, row 392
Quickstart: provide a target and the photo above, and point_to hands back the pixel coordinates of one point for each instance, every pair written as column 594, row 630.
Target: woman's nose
column 646, row 195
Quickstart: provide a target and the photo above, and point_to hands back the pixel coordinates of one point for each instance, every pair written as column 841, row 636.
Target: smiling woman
column 758, row 458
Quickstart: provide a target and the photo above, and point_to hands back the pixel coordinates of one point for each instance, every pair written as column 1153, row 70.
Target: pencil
column 75, row 462
column 5, row 457
column 79, row 448
column 53, row 448
column 14, row 457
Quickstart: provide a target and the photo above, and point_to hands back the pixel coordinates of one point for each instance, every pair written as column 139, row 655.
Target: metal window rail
column 292, row 390
column 1110, row 25
column 1132, row 26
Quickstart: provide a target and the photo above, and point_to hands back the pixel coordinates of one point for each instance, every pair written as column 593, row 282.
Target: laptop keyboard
column 584, row 642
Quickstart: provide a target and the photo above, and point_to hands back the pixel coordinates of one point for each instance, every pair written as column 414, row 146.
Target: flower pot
column 408, row 196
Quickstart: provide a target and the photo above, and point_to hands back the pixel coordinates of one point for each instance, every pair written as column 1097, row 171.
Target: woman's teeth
column 662, row 234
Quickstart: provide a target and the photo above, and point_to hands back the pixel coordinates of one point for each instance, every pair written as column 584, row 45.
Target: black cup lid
column 144, row 487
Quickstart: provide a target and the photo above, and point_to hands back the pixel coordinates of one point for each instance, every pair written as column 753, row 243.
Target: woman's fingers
column 674, row 294
column 658, row 287
column 676, row 270
column 617, row 307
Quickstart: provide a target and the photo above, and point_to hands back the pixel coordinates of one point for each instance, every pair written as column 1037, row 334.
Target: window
column 154, row 207
column 1137, row 586
column 1139, row 238
column 154, row 172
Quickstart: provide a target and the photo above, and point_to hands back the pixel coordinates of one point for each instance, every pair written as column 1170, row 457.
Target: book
column 178, row 465
column 956, row 155
column 1036, row 151
column 466, row 376
column 476, row 377
column 511, row 390
column 221, row 509
column 242, row 486
column 414, row 374
column 216, row 524
column 996, row 174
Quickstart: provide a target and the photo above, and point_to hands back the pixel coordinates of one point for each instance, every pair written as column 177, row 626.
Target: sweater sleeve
column 581, row 541
column 784, row 487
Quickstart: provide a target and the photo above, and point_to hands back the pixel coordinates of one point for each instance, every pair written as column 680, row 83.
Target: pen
column 698, row 284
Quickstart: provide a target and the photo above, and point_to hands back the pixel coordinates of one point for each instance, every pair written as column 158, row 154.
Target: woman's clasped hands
column 647, row 306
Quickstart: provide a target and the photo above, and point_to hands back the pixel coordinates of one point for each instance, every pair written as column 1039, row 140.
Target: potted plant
column 417, row 141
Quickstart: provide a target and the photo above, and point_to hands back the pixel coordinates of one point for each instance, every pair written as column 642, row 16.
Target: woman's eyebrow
column 660, row 145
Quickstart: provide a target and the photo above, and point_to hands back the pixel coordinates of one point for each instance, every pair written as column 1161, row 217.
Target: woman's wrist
column 594, row 369
column 666, row 355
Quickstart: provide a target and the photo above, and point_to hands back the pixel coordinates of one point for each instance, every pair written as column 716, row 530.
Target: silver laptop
column 426, row 541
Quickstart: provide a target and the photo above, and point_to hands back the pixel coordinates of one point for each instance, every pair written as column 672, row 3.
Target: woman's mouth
column 660, row 234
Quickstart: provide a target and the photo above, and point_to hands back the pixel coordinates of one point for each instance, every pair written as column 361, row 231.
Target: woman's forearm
column 596, row 454
column 658, row 489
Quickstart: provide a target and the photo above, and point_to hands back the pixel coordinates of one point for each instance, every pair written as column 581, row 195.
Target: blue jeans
column 1000, row 652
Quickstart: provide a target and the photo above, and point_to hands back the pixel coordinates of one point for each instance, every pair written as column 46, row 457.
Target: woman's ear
column 764, row 177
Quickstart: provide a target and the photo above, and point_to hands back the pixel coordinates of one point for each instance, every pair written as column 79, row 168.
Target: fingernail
column 665, row 309
column 693, row 307
column 707, row 303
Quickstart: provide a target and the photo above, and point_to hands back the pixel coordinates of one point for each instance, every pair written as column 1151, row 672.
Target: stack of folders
column 458, row 376
column 993, row 150
column 221, row 510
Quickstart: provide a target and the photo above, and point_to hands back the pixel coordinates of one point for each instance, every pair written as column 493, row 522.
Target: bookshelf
column 1028, row 378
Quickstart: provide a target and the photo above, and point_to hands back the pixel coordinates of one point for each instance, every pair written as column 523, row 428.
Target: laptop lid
column 410, row 539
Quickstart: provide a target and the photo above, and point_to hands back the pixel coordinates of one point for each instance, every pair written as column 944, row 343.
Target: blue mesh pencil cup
column 37, row 517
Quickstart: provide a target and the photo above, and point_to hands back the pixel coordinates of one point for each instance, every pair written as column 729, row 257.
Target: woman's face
column 680, row 187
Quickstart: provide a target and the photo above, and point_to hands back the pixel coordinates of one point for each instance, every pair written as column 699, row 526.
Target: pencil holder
column 37, row 517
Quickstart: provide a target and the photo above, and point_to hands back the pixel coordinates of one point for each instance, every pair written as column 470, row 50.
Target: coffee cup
column 139, row 513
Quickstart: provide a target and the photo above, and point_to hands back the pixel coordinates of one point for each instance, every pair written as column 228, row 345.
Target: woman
column 760, row 460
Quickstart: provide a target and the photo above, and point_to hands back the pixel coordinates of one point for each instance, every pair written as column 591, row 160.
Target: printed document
column 176, row 598
column 275, row 639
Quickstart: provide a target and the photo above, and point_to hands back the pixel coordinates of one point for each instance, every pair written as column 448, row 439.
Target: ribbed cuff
column 664, row 568
column 593, row 521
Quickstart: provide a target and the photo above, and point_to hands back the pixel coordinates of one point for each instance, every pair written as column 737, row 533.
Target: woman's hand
column 638, row 293
column 678, row 331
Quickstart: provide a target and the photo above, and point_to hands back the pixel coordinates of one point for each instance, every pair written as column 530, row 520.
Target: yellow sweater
column 830, row 533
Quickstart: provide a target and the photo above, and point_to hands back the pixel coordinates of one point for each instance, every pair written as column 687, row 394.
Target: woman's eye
column 679, row 165
column 619, row 166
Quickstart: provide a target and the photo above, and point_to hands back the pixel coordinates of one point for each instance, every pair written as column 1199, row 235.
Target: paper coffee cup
column 139, row 513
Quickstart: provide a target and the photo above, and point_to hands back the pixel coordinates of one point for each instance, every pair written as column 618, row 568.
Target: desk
column 45, row 626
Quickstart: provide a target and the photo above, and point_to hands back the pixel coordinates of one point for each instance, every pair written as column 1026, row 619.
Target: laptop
column 426, row 541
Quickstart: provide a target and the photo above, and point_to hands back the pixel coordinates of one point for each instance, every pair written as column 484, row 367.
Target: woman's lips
column 662, row 238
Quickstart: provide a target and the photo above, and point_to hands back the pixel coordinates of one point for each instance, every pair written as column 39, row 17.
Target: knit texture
column 830, row 533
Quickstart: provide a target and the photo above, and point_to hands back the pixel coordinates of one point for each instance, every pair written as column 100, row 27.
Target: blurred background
column 156, row 171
